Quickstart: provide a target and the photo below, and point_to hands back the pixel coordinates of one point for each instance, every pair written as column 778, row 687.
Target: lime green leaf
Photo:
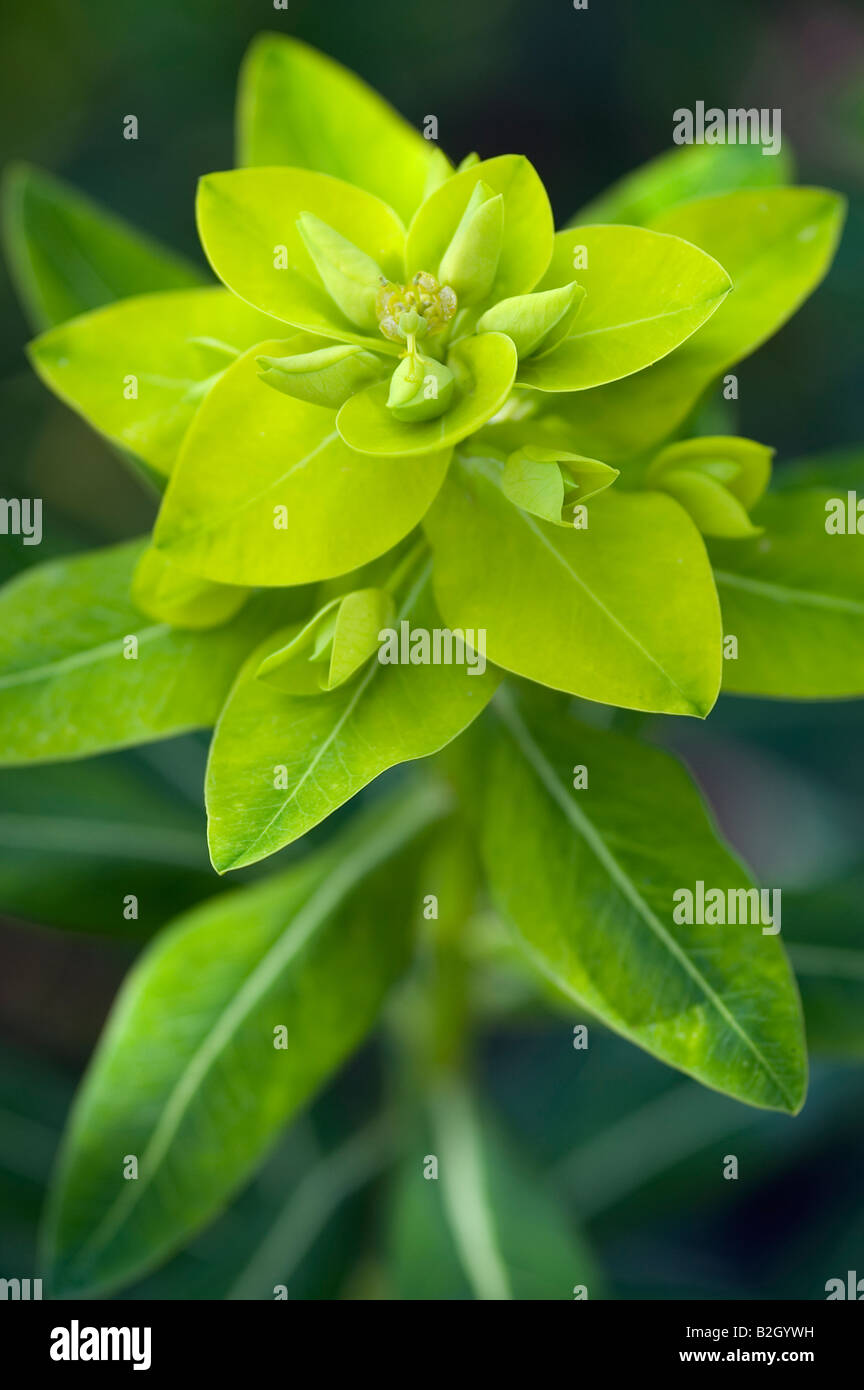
column 645, row 293
column 550, row 482
column 623, row 612
column 483, row 366
column 297, row 106
column 794, row 599
column 679, row 175
column 578, row 870
column 312, row 952
column 528, row 228
column 776, row 244
column 332, row 647
column 281, row 763
column 536, row 322
column 69, row 255
column 81, row 671
column 138, row 370
column 171, row 595
column 486, row 1229
column 248, row 223
column 302, row 507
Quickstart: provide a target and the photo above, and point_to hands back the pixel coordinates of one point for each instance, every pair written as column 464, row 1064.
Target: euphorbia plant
column 411, row 408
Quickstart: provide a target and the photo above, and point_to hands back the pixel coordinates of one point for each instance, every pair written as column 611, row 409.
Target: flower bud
column 549, row 483
column 470, row 262
column 420, row 389
column 716, row 479
column 326, row 377
column 351, row 278
column 535, row 322
column 332, row 646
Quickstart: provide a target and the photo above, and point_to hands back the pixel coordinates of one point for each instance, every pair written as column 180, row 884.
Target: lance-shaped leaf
column 717, row 480
column 281, row 763
column 68, row 255
column 535, row 322
column 551, row 483
column 776, row 244
column 138, row 370
column 694, row 171
column 623, row 611
column 306, row 957
column 171, row 595
column 645, row 294
column 794, row 599
column 248, row 220
column 332, row 646
column 587, row 878
column 302, row 507
column 325, row 376
column 528, row 229
column 485, row 1229
column 298, row 107
column 82, row 671
column 483, row 367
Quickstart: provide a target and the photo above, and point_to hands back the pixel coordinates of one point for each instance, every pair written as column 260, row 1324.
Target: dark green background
column 587, row 95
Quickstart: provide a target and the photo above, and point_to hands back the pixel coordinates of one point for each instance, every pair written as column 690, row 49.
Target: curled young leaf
column 535, row 322
column 717, row 480
column 483, row 367
column 326, row 376
column 332, row 646
column 552, row 483
column 527, row 233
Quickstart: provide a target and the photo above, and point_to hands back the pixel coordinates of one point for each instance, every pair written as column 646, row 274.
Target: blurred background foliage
column 636, row 1151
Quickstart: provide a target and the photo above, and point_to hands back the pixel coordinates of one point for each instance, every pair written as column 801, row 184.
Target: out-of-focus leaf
column 189, row 1076
column 794, row 598
column 483, row 1229
column 776, row 244
column 695, row 171
column 69, row 255
column 74, row 841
